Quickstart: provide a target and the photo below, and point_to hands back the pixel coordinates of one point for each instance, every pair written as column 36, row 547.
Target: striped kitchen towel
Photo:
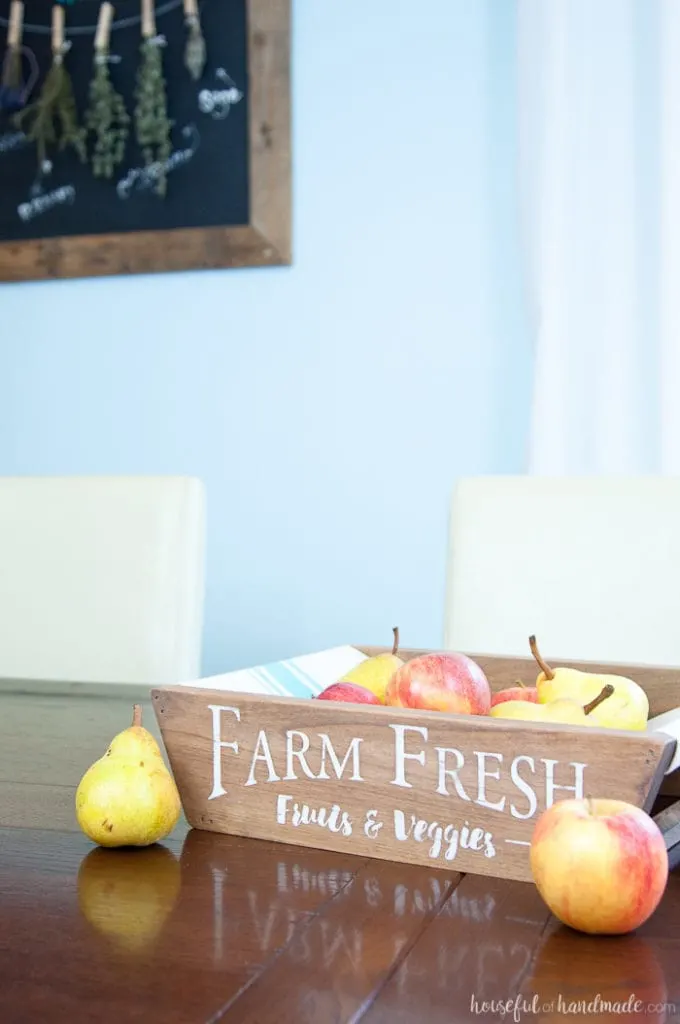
column 304, row 676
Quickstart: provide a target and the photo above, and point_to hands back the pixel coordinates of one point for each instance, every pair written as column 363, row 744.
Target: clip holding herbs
column 14, row 90
column 107, row 118
column 152, row 126
column 195, row 50
column 52, row 120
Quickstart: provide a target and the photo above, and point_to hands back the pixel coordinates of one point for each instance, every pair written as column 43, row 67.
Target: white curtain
column 599, row 151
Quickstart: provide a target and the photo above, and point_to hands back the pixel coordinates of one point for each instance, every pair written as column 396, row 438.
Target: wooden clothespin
column 58, row 20
column 12, row 91
column 15, row 29
column 104, row 22
column 148, row 19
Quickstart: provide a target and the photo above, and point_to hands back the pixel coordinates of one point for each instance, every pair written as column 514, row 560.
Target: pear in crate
column 128, row 797
column 375, row 673
column 563, row 711
column 627, row 708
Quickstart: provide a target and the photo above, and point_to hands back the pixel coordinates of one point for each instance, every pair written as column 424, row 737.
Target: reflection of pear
column 375, row 673
column 572, row 968
column 128, row 797
column 127, row 895
column 627, row 708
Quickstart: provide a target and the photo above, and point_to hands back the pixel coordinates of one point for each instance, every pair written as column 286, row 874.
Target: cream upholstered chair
column 101, row 578
column 591, row 566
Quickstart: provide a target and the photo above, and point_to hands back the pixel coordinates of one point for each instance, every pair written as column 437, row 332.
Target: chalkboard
column 227, row 179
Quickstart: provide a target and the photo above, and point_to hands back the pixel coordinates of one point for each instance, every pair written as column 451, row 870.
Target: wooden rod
column 148, row 19
column 57, row 28
column 16, row 24
column 101, row 39
column 191, row 8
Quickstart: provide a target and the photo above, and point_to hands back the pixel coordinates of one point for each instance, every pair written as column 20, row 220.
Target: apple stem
column 591, row 808
column 606, row 691
column 520, row 683
column 395, row 645
column 544, row 667
column 137, row 714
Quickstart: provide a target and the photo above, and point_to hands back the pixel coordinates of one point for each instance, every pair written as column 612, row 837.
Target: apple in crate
column 601, row 866
column 440, row 682
column 349, row 693
column 517, row 692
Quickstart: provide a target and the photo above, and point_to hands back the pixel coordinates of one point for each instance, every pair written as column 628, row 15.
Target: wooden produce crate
column 461, row 792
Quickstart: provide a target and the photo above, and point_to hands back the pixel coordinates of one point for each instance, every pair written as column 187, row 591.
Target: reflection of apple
column 440, row 682
column 571, row 968
column 350, row 693
column 127, row 895
column 600, row 865
column 518, row 692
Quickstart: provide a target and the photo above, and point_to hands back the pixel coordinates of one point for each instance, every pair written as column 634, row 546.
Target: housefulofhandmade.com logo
column 525, row 1006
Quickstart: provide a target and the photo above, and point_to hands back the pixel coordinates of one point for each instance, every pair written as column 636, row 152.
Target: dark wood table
column 209, row 928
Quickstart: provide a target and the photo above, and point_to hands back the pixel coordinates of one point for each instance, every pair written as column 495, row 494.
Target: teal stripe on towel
column 309, row 682
column 287, row 680
column 268, row 682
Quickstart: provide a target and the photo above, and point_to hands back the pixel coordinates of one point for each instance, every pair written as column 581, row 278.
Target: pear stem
column 395, row 645
column 137, row 714
column 591, row 808
column 606, row 691
column 543, row 665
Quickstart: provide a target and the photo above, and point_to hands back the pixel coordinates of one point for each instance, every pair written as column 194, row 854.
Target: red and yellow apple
column 601, row 866
column 349, row 693
column 517, row 692
column 440, row 682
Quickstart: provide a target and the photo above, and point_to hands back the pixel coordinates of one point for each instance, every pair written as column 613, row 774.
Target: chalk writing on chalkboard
column 141, row 178
column 218, row 102
column 41, row 204
column 11, row 141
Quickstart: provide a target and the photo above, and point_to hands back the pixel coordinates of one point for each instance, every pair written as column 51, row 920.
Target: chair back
column 101, row 578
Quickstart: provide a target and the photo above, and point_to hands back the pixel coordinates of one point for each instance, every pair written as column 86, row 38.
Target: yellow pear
column 563, row 711
column 375, row 673
column 627, row 708
column 127, row 895
column 128, row 797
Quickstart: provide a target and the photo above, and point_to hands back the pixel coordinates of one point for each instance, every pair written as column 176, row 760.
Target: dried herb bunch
column 195, row 50
column 53, row 118
column 152, row 125
column 107, row 120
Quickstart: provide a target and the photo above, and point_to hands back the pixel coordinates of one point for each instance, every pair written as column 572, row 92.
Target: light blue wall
column 329, row 407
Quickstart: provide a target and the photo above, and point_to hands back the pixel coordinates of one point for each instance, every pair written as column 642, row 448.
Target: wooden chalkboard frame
column 264, row 241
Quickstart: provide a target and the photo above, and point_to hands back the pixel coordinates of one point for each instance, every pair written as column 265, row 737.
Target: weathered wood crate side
column 451, row 791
